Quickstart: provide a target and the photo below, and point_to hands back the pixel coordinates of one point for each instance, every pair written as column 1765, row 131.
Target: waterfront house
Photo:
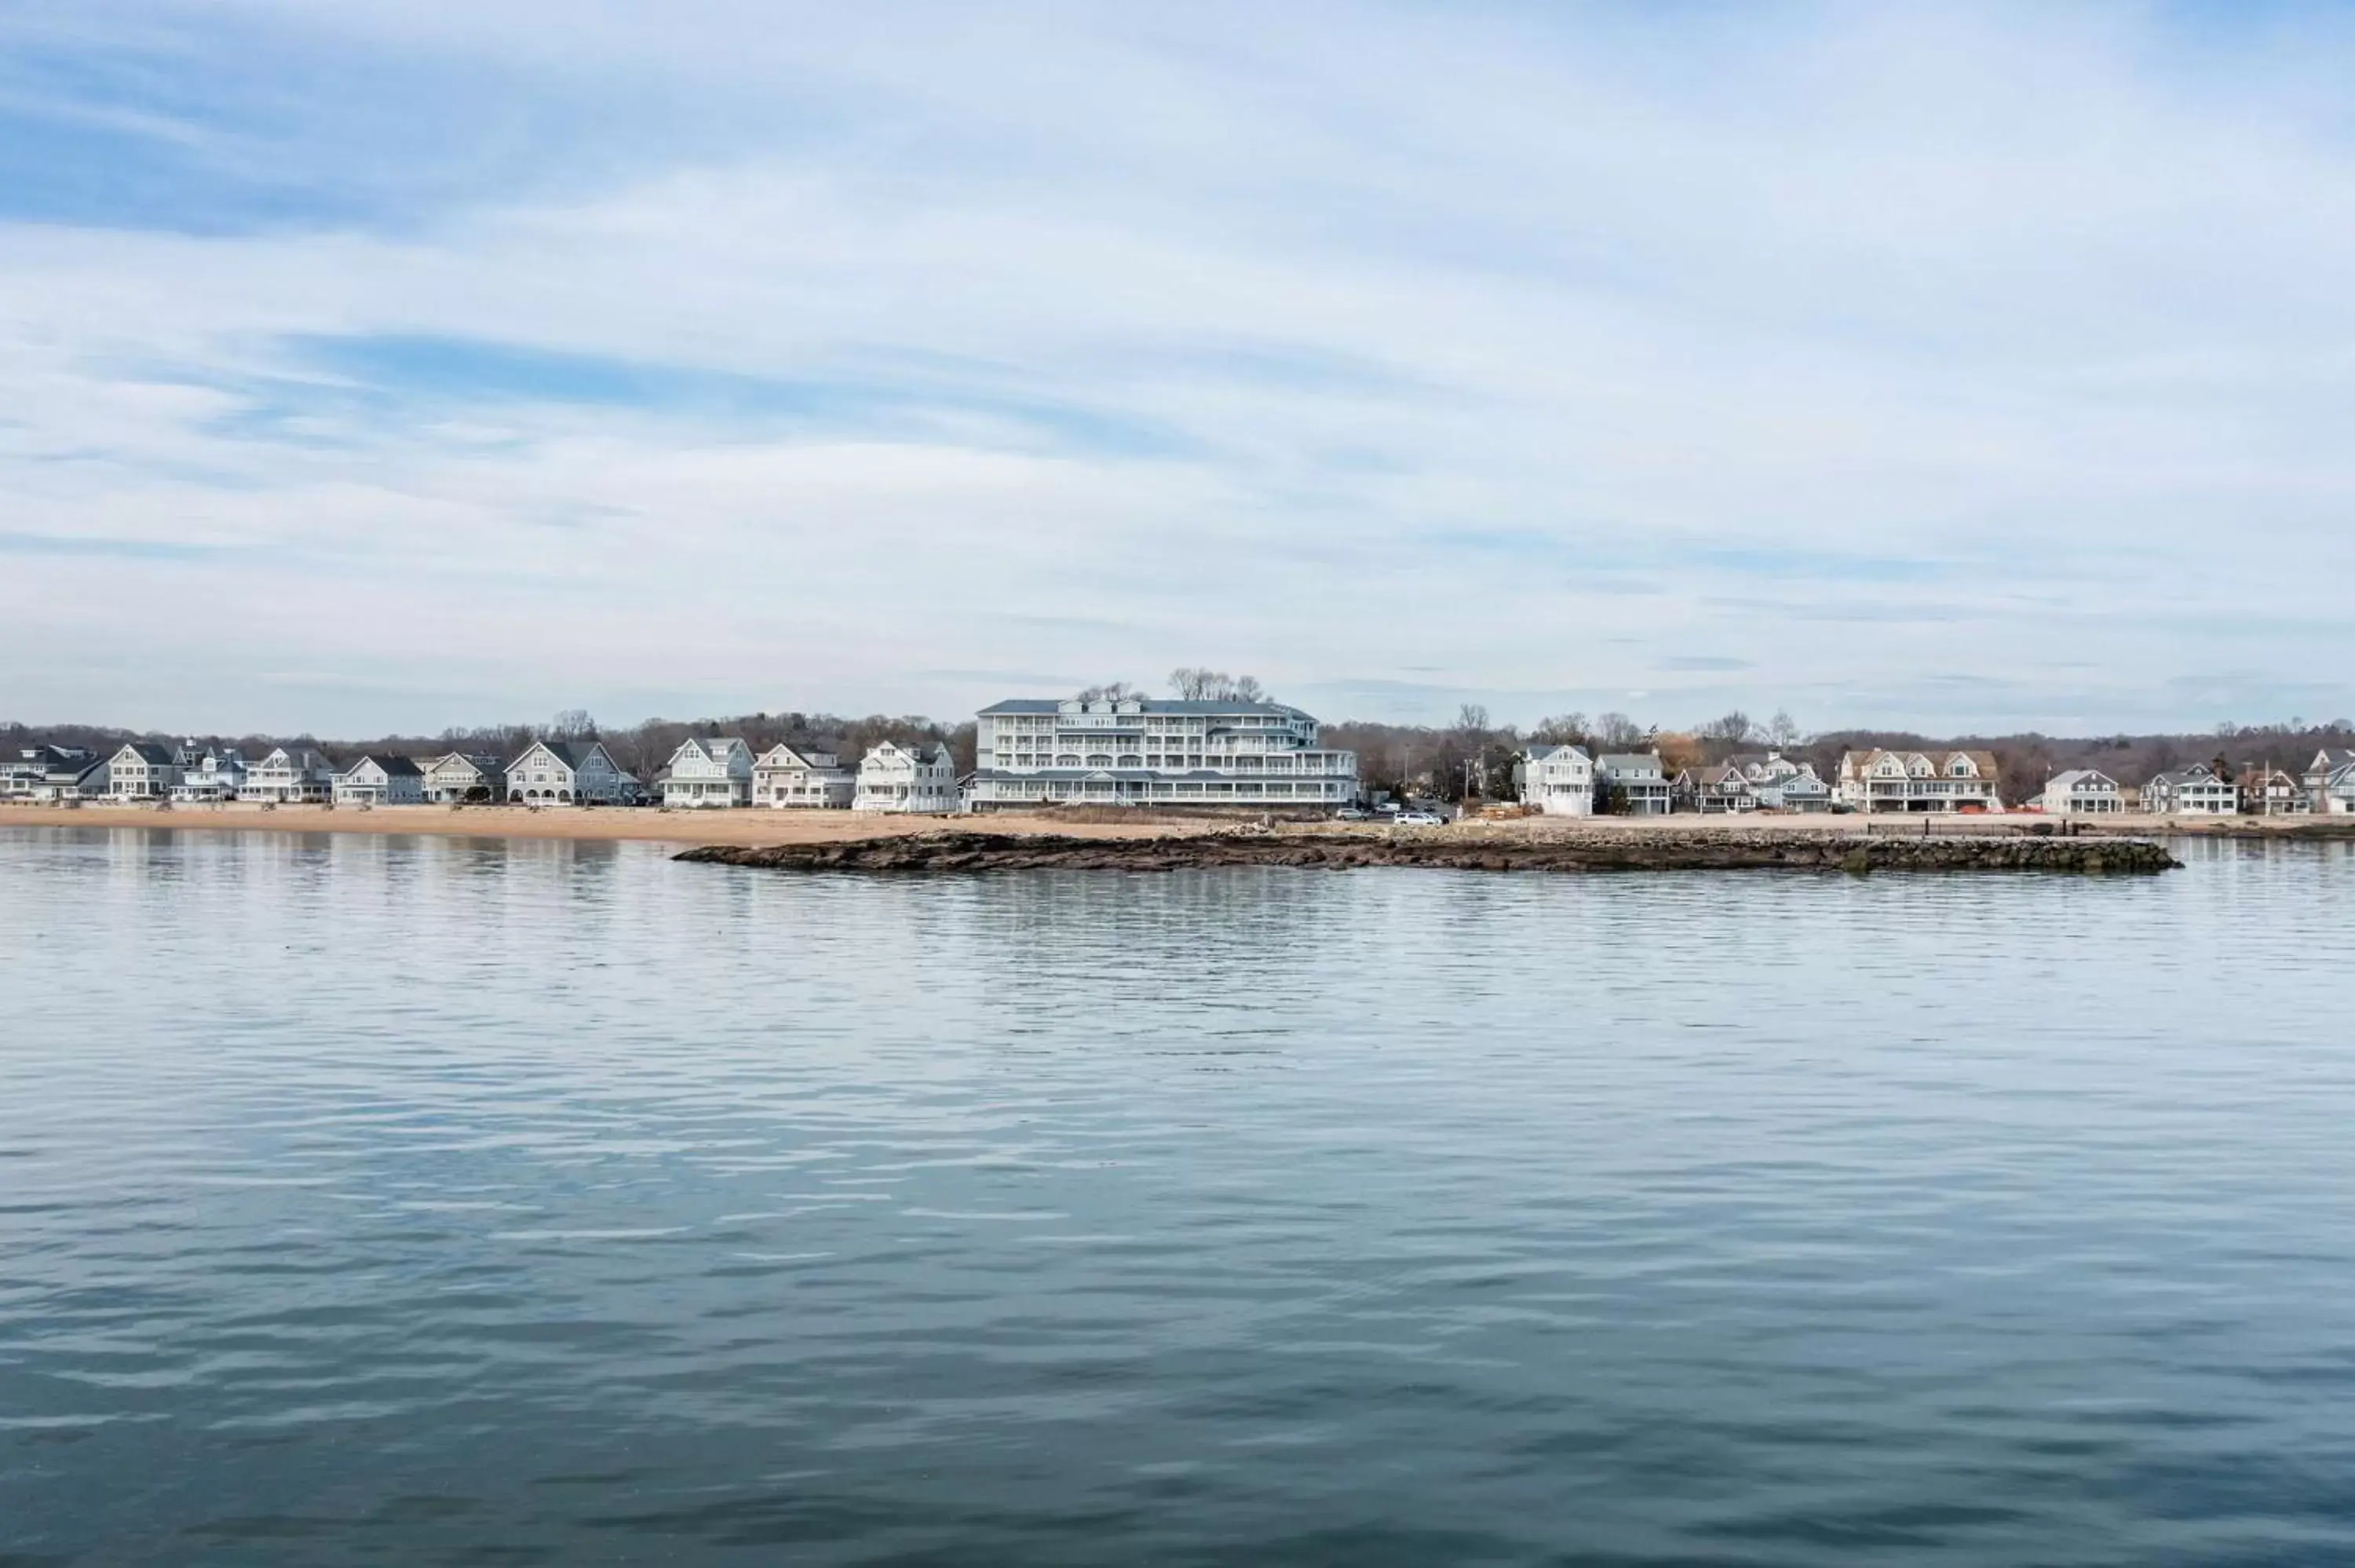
column 1716, row 790
column 380, row 778
column 1781, row 784
column 2190, row 792
column 790, row 778
column 2337, row 796
column 912, row 779
column 460, row 777
column 714, row 771
column 142, row 770
column 2081, row 792
column 50, row 773
column 1920, row 781
column 20, row 773
column 85, row 780
column 1141, row 751
column 2264, row 791
column 1632, row 784
column 568, row 772
column 1802, row 791
column 1557, row 780
column 210, row 776
column 2330, row 764
column 290, row 775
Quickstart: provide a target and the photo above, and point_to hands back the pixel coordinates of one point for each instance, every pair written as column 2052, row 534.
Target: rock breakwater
column 1445, row 850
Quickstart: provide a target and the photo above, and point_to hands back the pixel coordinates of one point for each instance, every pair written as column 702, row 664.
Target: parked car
column 1353, row 815
column 1420, row 819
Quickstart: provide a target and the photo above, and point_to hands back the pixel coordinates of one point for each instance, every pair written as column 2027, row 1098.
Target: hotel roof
column 1129, row 706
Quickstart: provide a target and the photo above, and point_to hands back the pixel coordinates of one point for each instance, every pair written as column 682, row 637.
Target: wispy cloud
column 1710, row 663
column 1816, row 355
column 103, row 546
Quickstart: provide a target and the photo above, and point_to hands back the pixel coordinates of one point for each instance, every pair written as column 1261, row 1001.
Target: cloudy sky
column 388, row 365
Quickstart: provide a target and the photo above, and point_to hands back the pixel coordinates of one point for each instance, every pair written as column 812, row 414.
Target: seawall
column 1853, row 853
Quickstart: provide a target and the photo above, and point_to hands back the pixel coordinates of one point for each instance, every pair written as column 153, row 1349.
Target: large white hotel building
column 1135, row 751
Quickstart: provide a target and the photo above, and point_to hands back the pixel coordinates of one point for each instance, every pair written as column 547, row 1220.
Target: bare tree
column 1560, row 730
column 1110, row 691
column 1617, row 729
column 1201, row 684
column 1472, row 718
column 1732, row 730
column 572, row 724
column 1782, row 730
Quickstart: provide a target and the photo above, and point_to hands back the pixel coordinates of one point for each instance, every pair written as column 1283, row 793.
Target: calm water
column 406, row 1200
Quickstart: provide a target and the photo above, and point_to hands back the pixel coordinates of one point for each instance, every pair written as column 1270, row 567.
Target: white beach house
column 2337, row 795
column 289, row 775
column 714, row 771
column 54, row 773
column 1140, row 751
column 2330, row 780
column 912, row 779
column 799, row 778
column 381, row 778
column 459, row 776
column 1557, row 780
column 210, row 776
column 566, row 773
column 19, row 774
column 2081, row 792
column 1920, row 781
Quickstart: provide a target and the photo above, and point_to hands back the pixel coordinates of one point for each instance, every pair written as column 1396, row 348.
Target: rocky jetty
column 1452, row 850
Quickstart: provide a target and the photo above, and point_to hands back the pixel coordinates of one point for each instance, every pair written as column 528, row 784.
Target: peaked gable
column 782, row 756
column 572, row 755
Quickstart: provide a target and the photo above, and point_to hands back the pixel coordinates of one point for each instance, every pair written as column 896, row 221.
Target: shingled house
column 1920, row 781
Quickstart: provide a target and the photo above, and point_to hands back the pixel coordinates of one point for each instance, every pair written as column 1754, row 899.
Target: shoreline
column 754, row 829
column 586, row 823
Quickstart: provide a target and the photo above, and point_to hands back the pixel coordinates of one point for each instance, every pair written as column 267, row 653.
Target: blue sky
column 387, row 365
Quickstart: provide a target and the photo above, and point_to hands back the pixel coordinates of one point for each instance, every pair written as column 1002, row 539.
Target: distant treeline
column 1472, row 757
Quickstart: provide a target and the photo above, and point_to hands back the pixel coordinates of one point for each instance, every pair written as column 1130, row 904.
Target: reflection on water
column 389, row 1199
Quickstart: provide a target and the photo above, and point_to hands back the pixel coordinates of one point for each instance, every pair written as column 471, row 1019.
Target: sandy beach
column 756, row 828
column 763, row 829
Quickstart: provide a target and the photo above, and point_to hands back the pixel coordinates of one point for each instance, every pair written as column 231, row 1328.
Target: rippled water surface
column 411, row 1200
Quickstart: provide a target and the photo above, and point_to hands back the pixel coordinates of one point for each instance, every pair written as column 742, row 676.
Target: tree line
column 1470, row 758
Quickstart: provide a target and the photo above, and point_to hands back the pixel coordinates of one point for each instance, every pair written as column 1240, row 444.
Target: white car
column 1420, row 819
